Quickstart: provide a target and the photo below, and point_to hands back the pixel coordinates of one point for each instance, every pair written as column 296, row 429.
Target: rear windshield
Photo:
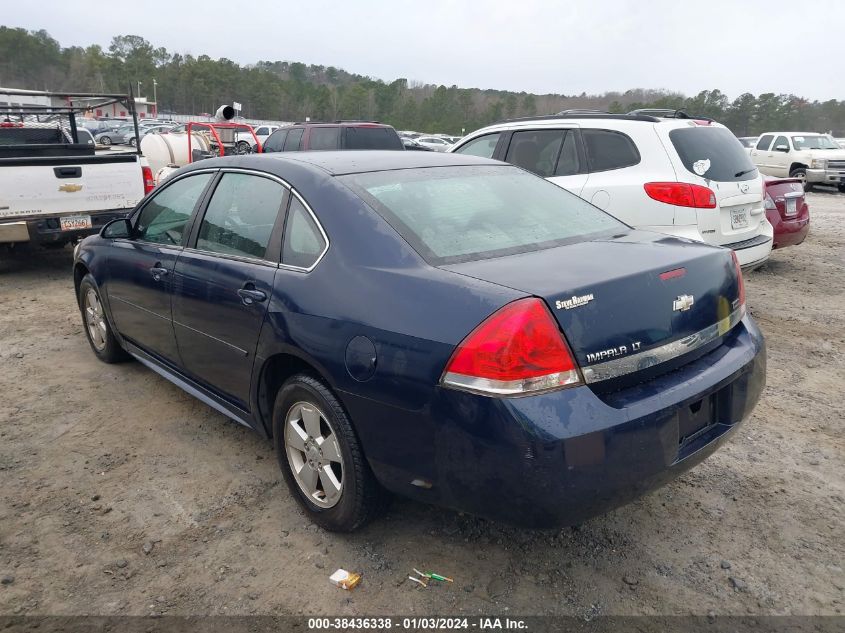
column 713, row 153
column 457, row 214
column 372, row 138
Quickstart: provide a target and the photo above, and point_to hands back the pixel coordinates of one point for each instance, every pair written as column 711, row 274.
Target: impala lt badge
column 683, row 303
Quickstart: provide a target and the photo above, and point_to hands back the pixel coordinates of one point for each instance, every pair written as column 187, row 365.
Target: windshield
column 713, row 153
column 813, row 142
column 457, row 214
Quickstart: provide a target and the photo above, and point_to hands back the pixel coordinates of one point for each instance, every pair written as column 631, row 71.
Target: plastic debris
column 345, row 579
column 429, row 575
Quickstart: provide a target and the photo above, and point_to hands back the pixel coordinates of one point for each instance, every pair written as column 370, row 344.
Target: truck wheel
column 105, row 140
column 96, row 324
column 243, row 148
column 801, row 173
column 320, row 457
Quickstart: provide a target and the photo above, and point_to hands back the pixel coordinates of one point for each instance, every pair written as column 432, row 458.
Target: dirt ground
column 121, row 494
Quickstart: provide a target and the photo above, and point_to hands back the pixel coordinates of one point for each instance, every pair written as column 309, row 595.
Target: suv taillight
column 518, row 350
column 681, row 194
column 149, row 183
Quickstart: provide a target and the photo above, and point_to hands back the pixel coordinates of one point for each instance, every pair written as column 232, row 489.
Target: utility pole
column 139, row 88
column 155, row 96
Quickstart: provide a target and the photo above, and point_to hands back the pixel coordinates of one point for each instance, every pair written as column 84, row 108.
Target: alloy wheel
column 314, row 454
column 95, row 320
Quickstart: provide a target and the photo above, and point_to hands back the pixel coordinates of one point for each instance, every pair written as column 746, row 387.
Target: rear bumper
column 788, row 232
column 557, row 459
column 47, row 229
column 755, row 251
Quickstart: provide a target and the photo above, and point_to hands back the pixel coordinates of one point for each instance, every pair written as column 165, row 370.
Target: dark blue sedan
column 441, row 326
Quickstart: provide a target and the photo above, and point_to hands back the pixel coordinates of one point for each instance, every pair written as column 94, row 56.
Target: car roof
column 338, row 163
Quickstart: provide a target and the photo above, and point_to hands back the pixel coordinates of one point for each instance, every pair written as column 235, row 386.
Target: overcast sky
column 569, row 46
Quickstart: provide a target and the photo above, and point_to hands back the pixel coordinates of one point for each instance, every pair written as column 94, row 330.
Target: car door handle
column 158, row 272
column 251, row 295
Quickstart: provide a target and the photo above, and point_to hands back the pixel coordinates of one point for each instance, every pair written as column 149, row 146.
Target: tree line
column 292, row 91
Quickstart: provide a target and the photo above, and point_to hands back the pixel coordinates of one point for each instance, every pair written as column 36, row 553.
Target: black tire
column 841, row 188
column 361, row 496
column 801, row 172
column 242, row 147
column 105, row 140
column 133, row 142
column 108, row 350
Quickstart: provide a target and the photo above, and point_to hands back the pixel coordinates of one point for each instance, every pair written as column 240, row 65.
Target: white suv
column 683, row 176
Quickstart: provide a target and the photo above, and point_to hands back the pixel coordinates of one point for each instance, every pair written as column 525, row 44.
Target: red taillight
column 517, row 350
column 149, row 183
column 739, row 279
column 681, row 194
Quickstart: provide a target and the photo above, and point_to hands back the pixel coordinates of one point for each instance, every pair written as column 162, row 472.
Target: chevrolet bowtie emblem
column 683, row 303
column 70, row 188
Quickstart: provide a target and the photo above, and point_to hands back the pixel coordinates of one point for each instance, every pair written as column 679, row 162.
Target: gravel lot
column 121, row 494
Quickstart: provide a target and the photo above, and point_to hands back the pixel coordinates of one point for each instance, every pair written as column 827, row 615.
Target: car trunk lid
column 624, row 295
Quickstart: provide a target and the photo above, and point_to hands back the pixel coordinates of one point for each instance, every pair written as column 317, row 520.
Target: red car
column 786, row 210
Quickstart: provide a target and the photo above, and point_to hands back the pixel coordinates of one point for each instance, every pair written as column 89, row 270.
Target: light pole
column 155, row 97
column 139, row 89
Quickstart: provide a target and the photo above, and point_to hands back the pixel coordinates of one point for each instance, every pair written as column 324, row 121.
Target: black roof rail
column 583, row 115
column 669, row 113
column 334, row 122
column 583, row 111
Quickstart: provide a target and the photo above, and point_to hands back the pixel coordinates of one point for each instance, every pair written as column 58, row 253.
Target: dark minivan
column 333, row 136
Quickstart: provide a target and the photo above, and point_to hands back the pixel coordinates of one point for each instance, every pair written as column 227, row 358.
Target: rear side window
column 713, row 153
column 483, row 146
column 765, row 141
column 276, row 141
column 608, row 150
column 324, row 138
column 304, row 243
column 536, row 150
column 372, row 138
column 163, row 218
column 293, row 139
column 240, row 216
column 454, row 214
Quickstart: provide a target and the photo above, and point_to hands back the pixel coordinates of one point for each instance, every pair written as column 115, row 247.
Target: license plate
column 739, row 218
column 791, row 206
column 75, row 222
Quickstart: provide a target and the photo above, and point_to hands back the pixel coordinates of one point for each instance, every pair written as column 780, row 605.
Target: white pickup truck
column 816, row 159
column 54, row 187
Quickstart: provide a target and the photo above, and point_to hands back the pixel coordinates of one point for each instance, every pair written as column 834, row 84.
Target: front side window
column 608, row 150
column 163, row 218
column 455, row 214
column 483, row 146
column 323, row 138
column 293, row 139
column 304, row 243
column 240, row 215
column 781, row 144
column 276, row 141
column 262, row 131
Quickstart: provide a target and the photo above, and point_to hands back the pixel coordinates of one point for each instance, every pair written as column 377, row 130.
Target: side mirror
column 121, row 227
column 781, row 148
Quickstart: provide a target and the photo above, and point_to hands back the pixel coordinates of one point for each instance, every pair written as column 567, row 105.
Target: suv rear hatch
column 708, row 154
column 624, row 296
